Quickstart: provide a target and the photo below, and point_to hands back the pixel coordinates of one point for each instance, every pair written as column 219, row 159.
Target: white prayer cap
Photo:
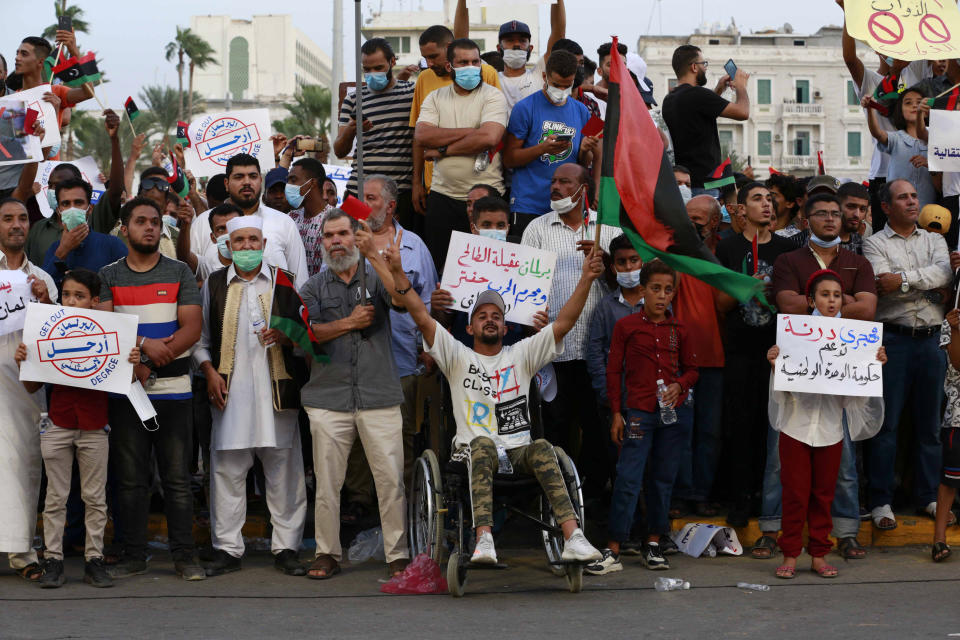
column 244, row 222
column 638, row 66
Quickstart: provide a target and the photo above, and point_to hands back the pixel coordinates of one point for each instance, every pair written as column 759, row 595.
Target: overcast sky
column 130, row 37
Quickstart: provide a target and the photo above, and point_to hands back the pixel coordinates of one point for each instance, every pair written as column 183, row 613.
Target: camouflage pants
column 537, row 459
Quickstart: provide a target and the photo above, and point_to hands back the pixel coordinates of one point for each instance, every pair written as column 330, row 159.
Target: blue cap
column 514, row 26
column 275, row 175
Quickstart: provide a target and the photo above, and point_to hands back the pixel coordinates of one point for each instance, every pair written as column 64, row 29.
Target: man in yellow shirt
column 433, row 47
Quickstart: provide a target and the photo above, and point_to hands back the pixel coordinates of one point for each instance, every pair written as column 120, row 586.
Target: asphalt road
column 895, row 594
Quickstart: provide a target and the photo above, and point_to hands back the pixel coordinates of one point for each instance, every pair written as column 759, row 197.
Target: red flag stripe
column 952, row 100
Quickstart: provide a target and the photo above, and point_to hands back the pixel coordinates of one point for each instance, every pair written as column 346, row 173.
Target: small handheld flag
column 721, row 176
column 355, row 208
column 820, row 168
column 290, row 317
column 949, row 101
column 182, row 138
column 593, row 127
column 76, row 72
column 178, row 181
column 756, row 253
column 131, row 108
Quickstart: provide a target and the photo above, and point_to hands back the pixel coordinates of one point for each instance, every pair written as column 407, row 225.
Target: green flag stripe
column 298, row 333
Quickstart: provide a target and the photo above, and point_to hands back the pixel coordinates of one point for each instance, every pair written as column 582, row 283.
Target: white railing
column 799, row 162
column 801, row 109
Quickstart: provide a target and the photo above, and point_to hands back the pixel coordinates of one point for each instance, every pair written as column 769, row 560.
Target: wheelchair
column 439, row 507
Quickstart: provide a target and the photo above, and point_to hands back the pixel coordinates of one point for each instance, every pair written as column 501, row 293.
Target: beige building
column 262, row 62
column 802, row 99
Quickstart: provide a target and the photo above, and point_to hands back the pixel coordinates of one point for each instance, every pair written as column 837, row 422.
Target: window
column 480, row 43
column 801, row 145
column 399, row 44
column 764, row 143
column 726, row 142
column 852, row 99
column 763, row 91
column 799, row 43
column 803, row 91
column 671, row 84
column 853, row 144
column 239, row 67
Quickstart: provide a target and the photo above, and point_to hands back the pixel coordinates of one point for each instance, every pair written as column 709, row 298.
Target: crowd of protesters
column 488, row 144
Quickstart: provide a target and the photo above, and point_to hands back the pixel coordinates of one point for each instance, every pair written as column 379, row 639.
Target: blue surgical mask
column 73, row 218
column 292, row 192
column 628, row 279
column 170, row 221
column 377, row 80
column 493, row 234
column 247, row 259
column 52, row 198
column 724, row 214
column 824, row 244
column 467, row 77
column 223, row 246
column 54, row 150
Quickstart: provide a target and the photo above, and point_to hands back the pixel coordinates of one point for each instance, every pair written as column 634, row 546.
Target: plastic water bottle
column 753, row 587
column 670, row 584
column 667, row 414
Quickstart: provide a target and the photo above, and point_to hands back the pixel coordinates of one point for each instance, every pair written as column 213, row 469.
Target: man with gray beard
column 358, row 392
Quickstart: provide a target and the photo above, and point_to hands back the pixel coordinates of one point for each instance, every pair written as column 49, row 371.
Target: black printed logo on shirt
column 512, row 416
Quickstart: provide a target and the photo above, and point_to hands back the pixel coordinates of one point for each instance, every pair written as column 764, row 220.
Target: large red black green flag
column 639, row 194
column 290, row 316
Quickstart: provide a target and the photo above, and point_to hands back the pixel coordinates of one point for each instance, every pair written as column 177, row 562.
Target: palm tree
column 176, row 48
column 161, row 109
column 309, row 114
column 76, row 14
column 200, row 54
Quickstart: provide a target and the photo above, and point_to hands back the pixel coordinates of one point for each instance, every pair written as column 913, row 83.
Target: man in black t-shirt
column 691, row 113
column 751, row 330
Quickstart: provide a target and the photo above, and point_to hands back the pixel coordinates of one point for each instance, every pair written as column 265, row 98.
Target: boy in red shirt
column 646, row 347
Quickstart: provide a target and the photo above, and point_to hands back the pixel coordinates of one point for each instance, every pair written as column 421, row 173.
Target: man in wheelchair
column 488, row 385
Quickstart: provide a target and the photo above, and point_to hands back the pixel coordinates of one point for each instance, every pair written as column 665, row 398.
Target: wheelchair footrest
column 489, row 567
column 564, row 563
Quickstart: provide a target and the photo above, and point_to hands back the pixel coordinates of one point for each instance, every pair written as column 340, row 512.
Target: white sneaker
column 579, row 549
column 484, row 553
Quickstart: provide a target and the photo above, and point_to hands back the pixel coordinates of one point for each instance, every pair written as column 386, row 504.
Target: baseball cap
column 488, row 297
column 514, row 26
column 823, row 182
column 275, row 175
column 646, row 92
column 935, row 218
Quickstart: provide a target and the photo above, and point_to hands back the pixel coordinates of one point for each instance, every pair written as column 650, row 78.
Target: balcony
column 801, row 110
column 799, row 162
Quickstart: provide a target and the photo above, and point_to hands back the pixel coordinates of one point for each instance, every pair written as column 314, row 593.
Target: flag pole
column 940, row 95
column 359, row 121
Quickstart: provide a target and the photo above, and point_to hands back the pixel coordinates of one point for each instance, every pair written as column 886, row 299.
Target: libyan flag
column 177, row 179
column 76, row 72
column 290, row 316
column 639, row 194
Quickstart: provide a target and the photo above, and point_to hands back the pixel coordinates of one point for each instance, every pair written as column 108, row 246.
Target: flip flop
column 325, row 563
column 940, row 551
column 786, row 572
column 827, row 571
column 883, row 518
column 31, row 573
column 851, row 549
column 763, row 548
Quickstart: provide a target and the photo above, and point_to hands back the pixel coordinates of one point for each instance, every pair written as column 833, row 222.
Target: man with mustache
column 691, row 113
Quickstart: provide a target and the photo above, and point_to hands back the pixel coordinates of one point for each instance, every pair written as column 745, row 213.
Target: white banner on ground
column 216, row 138
column 89, row 172
column 14, row 298
column 521, row 274
column 79, row 347
column 33, row 98
column 340, row 175
column 943, row 150
column 16, row 146
column 835, row 356
column 697, row 538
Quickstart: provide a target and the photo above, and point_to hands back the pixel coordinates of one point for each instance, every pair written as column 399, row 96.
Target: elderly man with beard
column 284, row 248
column 358, row 392
column 691, row 113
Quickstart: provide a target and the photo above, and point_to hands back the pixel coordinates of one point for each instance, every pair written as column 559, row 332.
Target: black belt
column 913, row 332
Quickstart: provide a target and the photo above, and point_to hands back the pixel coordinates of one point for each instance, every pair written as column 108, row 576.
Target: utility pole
column 336, row 75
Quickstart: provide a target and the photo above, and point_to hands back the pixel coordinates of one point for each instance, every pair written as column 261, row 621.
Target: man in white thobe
column 249, row 383
column 19, row 411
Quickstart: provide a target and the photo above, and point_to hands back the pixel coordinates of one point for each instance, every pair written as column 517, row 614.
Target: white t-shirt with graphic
column 489, row 393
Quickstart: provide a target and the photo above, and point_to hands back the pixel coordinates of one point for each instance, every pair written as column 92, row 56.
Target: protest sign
column 340, row 176
column 835, row 356
column 89, row 172
column 521, row 274
column 14, row 297
column 905, row 29
column 47, row 119
column 697, row 538
column 79, row 347
column 16, row 145
column 944, row 146
column 216, row 138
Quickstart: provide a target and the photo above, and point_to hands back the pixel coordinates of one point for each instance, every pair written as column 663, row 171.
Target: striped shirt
column 154, row 297
column 388, row 144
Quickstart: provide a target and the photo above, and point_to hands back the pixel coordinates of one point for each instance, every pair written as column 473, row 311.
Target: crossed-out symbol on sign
column 886, row 28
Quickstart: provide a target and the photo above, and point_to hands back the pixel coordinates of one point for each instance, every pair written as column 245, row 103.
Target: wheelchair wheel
column 553, row 542
column 424, row 520
column 574, row 573
column 456, row 576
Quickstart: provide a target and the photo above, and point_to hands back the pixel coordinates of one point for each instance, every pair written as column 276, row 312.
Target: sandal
column 764, row 548
column 940, row 551
column 931, row 511
column 31, row 573
column 326, row 564
column 786, row 572
column 827, row 571
column 883, row 518
column 396, row 567
column 851, row 549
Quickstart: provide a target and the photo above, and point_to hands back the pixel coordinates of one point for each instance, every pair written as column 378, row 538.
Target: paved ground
column 892, row 594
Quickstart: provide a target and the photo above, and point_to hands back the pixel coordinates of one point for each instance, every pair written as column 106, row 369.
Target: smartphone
column 65, row 23
column 730, row 68
column 564, row 137
column 308, row 144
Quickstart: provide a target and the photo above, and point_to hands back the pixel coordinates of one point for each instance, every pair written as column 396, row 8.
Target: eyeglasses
column 836, row 215
column 703, row 63
column 154, row 183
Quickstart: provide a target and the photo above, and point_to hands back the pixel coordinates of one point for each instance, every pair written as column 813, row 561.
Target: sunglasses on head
column 154, row 183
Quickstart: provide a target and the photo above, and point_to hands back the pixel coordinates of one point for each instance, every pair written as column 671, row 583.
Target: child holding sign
column 811, row 444
column 77, row 425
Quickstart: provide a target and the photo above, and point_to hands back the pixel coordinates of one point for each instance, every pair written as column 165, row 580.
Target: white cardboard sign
column 89, row 172
column 14, row 298
column 216, row 138
column 33, row 98
column 943, row 149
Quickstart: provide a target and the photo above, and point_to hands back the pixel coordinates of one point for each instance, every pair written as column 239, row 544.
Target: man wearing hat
column 249, row 368
column 489, row 385
column 273, row 194
column 815, row 186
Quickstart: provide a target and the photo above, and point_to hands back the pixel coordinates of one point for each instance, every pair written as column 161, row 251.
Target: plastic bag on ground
column 368, row 544
column 423, row 575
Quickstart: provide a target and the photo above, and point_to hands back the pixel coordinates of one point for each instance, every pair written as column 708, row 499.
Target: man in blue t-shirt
column 544, row 132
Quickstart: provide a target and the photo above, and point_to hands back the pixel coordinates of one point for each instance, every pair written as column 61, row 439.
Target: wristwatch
column 401, row 292
column 442, row 150
column 904, row 285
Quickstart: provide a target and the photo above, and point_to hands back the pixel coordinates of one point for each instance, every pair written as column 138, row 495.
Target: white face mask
column 628, row 279
column 558, row 96
column 514, row 58
column 685, row 193
column 564, row 205
column 493, row 234
column 223, row 248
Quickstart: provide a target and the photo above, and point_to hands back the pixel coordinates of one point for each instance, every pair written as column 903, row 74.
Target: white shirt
column 517, row 88
column 923, row 258
column 550, row 233
column 489, row 393
column 816, row 419
column 284, row 247
column 208, row 263
column 248, row 421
